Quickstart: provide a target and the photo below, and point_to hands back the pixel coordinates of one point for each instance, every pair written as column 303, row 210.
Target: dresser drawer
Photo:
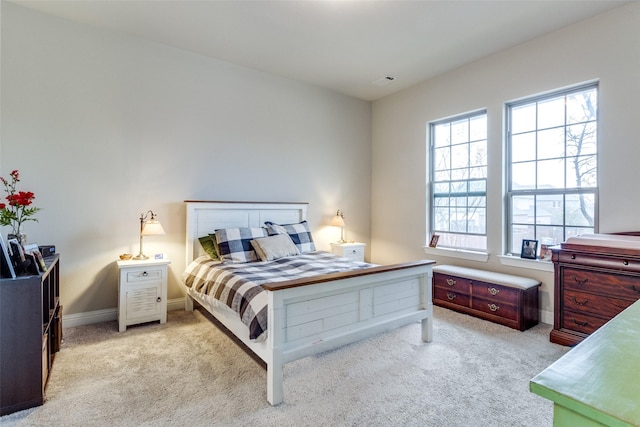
column 618, row 285
column 587, row 324
column 496, row 308
column 596, row 304
column 143, row 275
column 450, row 296
column 610, row 262
column 452, row 283
column 495, row 293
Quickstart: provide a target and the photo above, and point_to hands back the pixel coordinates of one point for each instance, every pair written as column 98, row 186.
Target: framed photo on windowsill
column 434, row 240
column 529, row 249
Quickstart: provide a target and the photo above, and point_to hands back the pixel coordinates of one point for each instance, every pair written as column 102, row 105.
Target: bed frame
column 310, row 316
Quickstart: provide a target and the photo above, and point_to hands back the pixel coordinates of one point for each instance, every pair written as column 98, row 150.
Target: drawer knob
column 451, row 282
column 159, row 299
column 353, row 251
column 493, row 291
column 451, row 296
column 625, row 262
column 580, row 303
column 573, row 257
column 585, row 323
column 145, row 274
column 493, row 307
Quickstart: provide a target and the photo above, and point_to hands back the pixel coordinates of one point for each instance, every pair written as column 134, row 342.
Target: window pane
column 581, row 139
column 477, row 201
column 551, row 113
column 478, row 128
column 478, row 153
column 523, row 175
column 441, row 158
column 477, row 223
column 523, row 209
column 442, row 176
column 523, row 118
column 460, row 132
column 581, row 172
column 441, row 135
column 551, row 143
column 550, row 209
column 580, row 209
column 441, row 219
column 441, row 188
column 521, row 232
column 551, row 174
column 523, row 147
column 582, row 106
column 479, row 185
column 460, row 156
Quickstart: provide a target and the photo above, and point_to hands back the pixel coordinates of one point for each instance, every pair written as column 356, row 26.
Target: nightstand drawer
column 144, row 275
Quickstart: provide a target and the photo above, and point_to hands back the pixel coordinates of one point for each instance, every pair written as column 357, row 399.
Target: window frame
column 469, row 193
column 563, row 192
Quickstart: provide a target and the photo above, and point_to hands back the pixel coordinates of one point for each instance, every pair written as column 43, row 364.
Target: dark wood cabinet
column 509, row 300
column 30, row 335
column 595, row 279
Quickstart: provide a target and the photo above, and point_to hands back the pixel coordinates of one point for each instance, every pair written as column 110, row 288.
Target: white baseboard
column 107, row 315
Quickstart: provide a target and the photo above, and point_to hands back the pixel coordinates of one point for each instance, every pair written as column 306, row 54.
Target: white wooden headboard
column 206, row 217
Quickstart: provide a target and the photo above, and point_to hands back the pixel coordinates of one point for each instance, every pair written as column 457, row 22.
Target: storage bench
column 501, row 298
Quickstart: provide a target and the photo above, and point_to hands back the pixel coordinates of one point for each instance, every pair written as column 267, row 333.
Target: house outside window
column 458, row 148
column 552, row 145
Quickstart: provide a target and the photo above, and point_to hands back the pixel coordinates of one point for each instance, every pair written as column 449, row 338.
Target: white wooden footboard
column 307, row 320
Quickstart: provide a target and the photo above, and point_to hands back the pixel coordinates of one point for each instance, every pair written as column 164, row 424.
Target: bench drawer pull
column 451, row 282
column 451, row 296
column 493, row 291
column 493, row 307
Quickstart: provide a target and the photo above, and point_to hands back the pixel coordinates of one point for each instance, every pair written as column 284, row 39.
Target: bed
column 315, row 314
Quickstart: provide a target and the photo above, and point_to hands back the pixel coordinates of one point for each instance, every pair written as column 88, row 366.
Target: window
column 459, row 181
column 553, row 166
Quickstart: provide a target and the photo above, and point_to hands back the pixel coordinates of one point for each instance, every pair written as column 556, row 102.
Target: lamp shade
column 151, row 228
column 337, row 221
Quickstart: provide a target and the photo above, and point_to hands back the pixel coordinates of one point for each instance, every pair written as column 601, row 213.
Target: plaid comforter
column 238, row 285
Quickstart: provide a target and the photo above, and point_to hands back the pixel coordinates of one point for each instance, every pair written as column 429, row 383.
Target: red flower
column 17, row 210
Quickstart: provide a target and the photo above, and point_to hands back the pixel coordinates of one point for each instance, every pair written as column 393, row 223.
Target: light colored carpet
column 188, row 372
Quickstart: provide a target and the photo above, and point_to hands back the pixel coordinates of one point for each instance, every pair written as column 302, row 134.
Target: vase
column 20, row 236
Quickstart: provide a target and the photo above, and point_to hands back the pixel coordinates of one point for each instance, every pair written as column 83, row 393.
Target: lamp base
column 140, row 257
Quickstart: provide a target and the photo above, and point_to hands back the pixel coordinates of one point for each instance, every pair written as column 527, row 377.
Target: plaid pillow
column 299, row 233
column 234, row 244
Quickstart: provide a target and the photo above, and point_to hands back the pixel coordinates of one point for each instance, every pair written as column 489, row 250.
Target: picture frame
column 6, row 266
column 434, row 240
column 529, row 249
column 545, row 252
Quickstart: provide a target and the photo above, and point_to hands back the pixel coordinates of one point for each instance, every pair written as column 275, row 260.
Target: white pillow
column 274, row 247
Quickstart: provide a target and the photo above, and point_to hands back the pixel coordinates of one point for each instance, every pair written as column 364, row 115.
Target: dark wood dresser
column 596, row 277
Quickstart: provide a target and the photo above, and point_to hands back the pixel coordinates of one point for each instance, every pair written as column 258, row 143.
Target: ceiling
column 343, row 45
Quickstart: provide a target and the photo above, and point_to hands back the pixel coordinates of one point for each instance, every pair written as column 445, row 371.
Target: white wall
column 103, row 127
column 606, row 47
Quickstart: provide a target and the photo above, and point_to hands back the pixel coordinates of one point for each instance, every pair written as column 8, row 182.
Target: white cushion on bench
column 487, row 276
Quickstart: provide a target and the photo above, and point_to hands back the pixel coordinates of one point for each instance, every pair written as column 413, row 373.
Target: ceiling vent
column 383, row 81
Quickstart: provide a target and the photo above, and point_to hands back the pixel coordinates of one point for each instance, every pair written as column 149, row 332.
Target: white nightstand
column 354, row 251
column 142, row 290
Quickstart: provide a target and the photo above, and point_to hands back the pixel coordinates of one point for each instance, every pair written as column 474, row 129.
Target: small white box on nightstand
column 353, row 251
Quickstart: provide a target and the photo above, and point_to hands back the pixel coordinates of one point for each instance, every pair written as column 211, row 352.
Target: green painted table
column 598, row 381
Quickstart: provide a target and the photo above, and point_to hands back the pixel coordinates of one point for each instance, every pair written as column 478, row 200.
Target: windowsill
column 532, row 264
column 457, row 253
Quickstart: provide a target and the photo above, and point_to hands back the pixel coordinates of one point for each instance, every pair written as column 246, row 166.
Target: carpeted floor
column 189, row 373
